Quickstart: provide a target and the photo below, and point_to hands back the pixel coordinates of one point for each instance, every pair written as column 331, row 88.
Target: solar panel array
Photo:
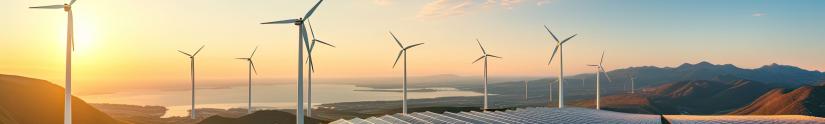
column 744, row 119
column 539, row 115
column 542, row 115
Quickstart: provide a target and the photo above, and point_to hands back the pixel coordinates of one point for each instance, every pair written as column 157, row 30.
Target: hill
column 260, row 117
column 32, row 101
column 806, row 100
column 685, row 97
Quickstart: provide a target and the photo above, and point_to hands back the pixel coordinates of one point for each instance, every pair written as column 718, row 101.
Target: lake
column 278, row 96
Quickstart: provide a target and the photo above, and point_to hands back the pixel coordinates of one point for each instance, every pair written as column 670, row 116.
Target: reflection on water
column 263, row 96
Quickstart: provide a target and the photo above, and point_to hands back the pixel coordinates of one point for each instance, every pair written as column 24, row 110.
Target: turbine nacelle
column 299, row 22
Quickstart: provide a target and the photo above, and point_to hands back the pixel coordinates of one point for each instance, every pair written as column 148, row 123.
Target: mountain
column 32, row 101
column 805, row 100
column 685, row 97
column 775, row 75
column 260, row 117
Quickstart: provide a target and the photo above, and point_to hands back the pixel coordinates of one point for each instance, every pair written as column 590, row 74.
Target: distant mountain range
column 774, row 75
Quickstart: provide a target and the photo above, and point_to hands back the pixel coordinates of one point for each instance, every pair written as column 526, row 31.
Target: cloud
column 543, row 2
column 382, row 2
column 508, row 4
column 442, row 8
column 759, row 14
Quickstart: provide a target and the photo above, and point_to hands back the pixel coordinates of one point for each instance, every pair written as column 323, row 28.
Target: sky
column 132, row 44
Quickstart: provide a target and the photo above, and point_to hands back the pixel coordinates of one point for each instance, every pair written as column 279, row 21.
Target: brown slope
column 34, row 101
column 806, row 100
column 685, row 97
column 260, row 117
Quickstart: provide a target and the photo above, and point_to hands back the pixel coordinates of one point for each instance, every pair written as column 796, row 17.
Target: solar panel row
column 543, row 115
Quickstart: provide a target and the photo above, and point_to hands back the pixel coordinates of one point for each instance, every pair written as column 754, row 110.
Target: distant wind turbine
column 558, row 48
column 192, row 71
column 302, row 40
column 251, row 68
column 311, row 68
column 484, row 56
column 403, row 51
column 526, row 98
column 599, row 70
column 67, row 101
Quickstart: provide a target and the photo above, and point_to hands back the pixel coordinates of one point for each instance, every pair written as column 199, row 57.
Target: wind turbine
column 192, row 71
column 403, row 51
column 311, row 68
column 599, row 70
column 558, row 48
column 484, row 56
column 67, row 108
column 526, row 98
column 251, row 68
column 302, row 40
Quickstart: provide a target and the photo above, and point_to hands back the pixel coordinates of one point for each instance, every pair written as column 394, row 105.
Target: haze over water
column 279, row 96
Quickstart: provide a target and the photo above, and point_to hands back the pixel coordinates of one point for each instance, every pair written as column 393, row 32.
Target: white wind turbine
column 251, row 68
column 67, row 101
column 192, row 72
column 302, row 40
column 558, row 48
column 484, row 56
column 599, row 70
column 311, row 68
column 403, row 51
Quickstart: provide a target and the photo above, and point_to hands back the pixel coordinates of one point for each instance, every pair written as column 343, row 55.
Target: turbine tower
column 67, row 101
column 302, row 40
column 192, row 72
column 251, row 68
column 599, row 70
column 558, row 49
column 484, row 56
column 403, row 51
column 311, row 68
column 526, row 98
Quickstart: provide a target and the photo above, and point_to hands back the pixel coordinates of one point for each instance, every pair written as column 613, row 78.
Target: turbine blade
column 396, row 58
column 253, row 66
column 72, row 3
column 553, row 55
column 288, row 21
column 71, row 30
column 479, row 58
column 565, row 40
column 253, row 52
column 309, row 13
column 494, row 56
column 187, row 54
column 396, row 40
column 325, row 43
column 311, row 65
column 305, row 38
column 605, row 74
column 48, row 7
column 551, row 33
column 411, row 46
column 482, row 47
column 310, row 30
column 199, row 50
column 601, row 62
